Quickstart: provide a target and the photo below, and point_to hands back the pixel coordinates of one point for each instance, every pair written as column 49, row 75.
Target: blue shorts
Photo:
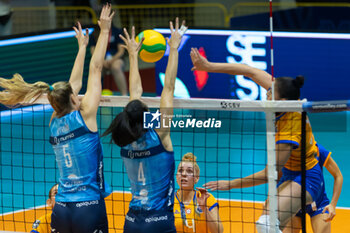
column 84, row 217
column 320, row 205
column 160, row 221
column 314, row 180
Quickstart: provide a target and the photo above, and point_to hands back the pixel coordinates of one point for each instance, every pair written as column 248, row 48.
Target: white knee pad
column 263, row 224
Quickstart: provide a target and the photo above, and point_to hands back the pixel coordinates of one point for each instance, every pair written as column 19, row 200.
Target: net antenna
column 271, row 146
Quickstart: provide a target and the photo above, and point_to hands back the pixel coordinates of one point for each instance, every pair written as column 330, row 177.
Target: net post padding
column 303, row 172
column 272, row 172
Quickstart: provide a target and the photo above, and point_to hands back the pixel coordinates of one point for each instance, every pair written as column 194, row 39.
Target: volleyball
column 153, row 47
column 106, row 92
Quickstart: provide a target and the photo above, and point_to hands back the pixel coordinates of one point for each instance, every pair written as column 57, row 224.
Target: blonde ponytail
column 16, row 91
column 190, row 157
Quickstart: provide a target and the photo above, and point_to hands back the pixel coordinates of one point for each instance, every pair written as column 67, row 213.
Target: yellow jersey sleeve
column 212, row 202
column 42, row 225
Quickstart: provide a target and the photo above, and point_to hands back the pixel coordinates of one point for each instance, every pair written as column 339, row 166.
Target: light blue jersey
column 79, row 158
column 150, row 170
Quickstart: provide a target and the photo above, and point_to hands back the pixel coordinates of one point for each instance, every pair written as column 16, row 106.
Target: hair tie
column 50, row 88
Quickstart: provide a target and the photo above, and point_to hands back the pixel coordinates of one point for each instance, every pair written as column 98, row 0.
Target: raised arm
column 255, row 179
column 333, row 168
column 260, row 77
column 212, row 216
column 167, row 96
column 92, row 96
column 76, row 77
column 135, row 84
column 283, row 152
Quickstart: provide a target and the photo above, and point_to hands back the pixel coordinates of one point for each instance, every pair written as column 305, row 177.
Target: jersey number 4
column 141, row 175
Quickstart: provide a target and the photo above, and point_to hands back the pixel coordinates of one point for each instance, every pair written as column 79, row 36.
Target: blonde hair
column 16, row 91
column 190, row 157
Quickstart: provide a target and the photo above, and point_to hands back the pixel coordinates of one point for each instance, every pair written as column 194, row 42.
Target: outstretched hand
column 131, row 45
column 83, row 40
column 176, row 35
column 106, row 17
column 199, row 62
column 218, row 185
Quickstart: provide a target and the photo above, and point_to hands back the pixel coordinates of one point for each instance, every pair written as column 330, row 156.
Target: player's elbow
column 339, row 177
column 96, row 66
column 136, row 92
column 168, row 89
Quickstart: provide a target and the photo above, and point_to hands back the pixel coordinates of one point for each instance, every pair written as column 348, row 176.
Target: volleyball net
column 230, row 138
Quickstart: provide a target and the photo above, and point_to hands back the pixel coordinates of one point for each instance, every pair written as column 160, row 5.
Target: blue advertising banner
column 323, row 59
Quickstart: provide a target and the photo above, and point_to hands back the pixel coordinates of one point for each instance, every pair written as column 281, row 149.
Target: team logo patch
column 188, row 211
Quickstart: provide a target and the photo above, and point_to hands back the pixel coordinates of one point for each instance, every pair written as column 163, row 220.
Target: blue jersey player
column 80, row 205
column 147, row 153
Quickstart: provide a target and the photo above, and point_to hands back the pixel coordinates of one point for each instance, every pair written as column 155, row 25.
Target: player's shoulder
column 292, row 116
column 211, row 197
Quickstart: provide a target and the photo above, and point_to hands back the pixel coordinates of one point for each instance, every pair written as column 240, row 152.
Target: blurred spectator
column 5, row 18
column 113, row 63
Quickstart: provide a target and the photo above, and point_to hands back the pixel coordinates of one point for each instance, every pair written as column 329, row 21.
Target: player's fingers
column 103, row 10
column 140, row 44
column 202, row 190
column 87, row 32
column 177, row 23
column 133, row 32
column 79, row 26
column 123, row 38
column 195, row 53
column 112, row 15
column 126, row 34
column 171, row 26
column 108, row 9
column 211, row 186
column 208, row 184
column 76, row 31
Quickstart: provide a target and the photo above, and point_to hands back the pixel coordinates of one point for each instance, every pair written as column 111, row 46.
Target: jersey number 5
column 67, row 157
